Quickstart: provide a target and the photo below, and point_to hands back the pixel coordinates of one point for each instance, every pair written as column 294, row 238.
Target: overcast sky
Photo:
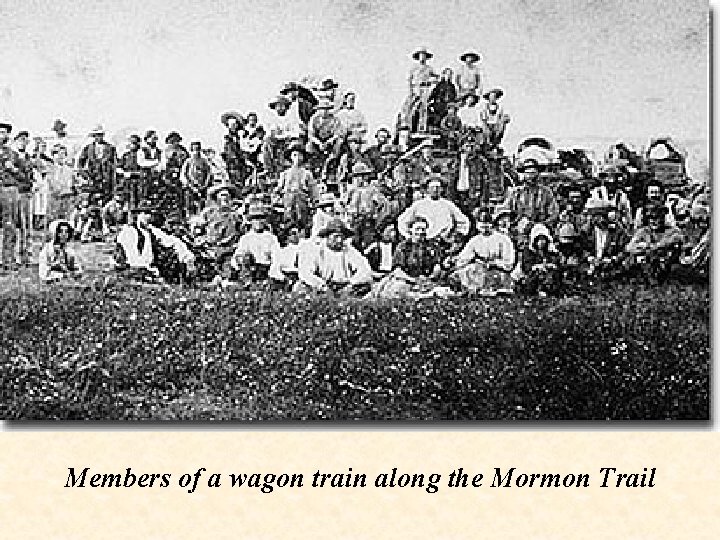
column 569, row 68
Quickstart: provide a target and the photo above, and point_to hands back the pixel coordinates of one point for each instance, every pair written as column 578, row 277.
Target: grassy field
column 138, row 353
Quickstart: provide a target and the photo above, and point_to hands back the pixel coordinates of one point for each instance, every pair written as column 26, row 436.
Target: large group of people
column 305, row 204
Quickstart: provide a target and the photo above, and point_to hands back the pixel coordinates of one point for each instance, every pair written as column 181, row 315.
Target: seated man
column 56, row 262
column 333, row 266
column 443, row 217
column 284, row 266
column 114, row 214
column 255, row 249
column 485, row 263
column 223, row 225
column 326, row 135
column 136, row 245
column 604, row 242
column 86, row 218
column 656, row 246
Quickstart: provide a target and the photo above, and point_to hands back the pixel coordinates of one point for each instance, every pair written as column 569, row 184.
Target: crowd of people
column 304, row 204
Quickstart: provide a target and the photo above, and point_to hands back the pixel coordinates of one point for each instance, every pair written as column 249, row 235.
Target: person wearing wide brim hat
column 6, row 126
column 497, row 92
column 336, row 226
column 213, row 191
column 255, row 249
column 503, row 211
column 470, row 56
column 327, row 85
column 280, row 99
column 469, row 77
column 422, row 51
column 173, row 137
column 97, row 131
column 55, row 261
column 226, row 116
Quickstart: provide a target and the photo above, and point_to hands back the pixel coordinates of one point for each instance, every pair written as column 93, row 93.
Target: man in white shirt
column 443, row 217
column 255, row 249
column 469, row 113
column 333, row 266
column 134, row 255
column 284, row 266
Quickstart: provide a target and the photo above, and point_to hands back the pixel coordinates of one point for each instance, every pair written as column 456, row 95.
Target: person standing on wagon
column 420, row 82
column 469, row 77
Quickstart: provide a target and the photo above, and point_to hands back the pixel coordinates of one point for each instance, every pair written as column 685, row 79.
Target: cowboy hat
column 327, row 84
column 470, row 94
column 98, row 130
column 21, row 134
column 349, row 91
column 361, row 169
column 279, row 99
column 134, row 138
column 6, row 126
column 217, row 188
column 566, row 231
column 173, row 136
column 470, row 54
column 327, row 199
column 597, row 207
column 528, row 164
column 336, row 226
column 226, row 116
column 497, row 91
column 295, row 147
column 502, row 211
column 422, row 50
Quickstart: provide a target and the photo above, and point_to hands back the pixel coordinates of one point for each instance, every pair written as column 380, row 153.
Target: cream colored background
column 34, row 503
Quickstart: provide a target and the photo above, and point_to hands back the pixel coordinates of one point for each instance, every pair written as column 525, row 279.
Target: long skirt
column 393, row 286
column 477, row 277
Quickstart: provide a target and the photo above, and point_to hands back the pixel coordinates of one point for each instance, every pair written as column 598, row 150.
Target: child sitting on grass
column 56, row 262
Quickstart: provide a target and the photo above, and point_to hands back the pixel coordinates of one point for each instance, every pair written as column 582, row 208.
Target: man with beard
column 609, row 191
column 334, row 266
column 531, row 202
column 10, row 168
column 135, row 248
column 653, row 196
column 373, row 154
column 98, row 160
column 223, row 226
column 444, row 219
column 656, row 246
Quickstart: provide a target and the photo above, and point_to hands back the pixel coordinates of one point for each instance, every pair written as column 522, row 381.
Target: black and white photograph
column 355, row 210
